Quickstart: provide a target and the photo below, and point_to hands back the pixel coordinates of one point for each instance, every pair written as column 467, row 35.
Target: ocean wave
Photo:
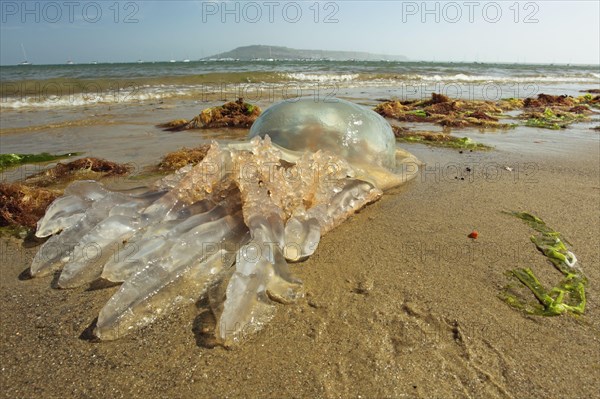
column 377, row 79
column 82, row 99
column 321, row 77
column 266, row 86
column 587, row 78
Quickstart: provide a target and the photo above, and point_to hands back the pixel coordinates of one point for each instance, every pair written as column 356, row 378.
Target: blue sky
column 486, row 31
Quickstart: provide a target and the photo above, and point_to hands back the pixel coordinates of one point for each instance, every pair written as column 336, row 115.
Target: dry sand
column 399, row 303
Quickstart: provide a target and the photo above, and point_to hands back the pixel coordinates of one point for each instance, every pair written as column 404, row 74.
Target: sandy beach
column 211, row 153
column 399, row 301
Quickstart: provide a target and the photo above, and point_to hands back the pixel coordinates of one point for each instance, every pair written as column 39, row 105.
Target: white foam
column 322, row 77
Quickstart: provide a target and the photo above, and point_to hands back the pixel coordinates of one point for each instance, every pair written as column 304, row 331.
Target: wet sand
column 399, row 302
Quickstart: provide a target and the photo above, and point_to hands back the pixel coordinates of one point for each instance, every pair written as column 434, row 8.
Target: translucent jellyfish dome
column 356, row 133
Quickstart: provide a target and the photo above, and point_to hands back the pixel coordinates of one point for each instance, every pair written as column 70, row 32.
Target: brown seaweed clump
column 22, row 205
column 445, row 111
column 563, row 102
column 438, row 98
column 238, row 114
column 544, row 111
column 557, row 112
column 178, row 159
column 76, row 170
column 548, row 100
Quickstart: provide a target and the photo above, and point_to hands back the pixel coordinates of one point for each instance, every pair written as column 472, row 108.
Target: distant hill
column 284, row 53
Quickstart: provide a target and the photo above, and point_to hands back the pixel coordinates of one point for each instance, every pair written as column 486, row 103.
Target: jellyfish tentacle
column 62, row 213
column 178, row 277
column 154, row 241
column 70, row 208
column 57, row 251
column 302, row 236
column 261, row 278
column 94, row 249
column 261, row 272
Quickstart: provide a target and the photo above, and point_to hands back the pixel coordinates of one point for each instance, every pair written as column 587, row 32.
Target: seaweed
column 589, row 100
column 509, row 104
column 234, row 114
column 436, row 139
column 22, row 205
column 78, row 169
column 544, row 111
column 185, row 156
column 569, row 294
column 545, row 100
column 446, row 112
column 557, row 112
column 553, row 119
column 13, row 160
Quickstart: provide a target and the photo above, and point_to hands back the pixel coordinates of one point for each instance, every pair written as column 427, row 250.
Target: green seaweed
column 463, row 143
column 13, row 160
column 418, row 112
column 569, row 294
column 550, row 120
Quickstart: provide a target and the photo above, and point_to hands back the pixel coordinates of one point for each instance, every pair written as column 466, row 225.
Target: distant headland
column 263, row 52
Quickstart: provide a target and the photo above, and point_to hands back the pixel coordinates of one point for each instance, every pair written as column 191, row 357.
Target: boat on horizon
column 24, row 62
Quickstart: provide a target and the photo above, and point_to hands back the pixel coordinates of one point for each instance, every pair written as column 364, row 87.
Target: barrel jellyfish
column 233, row 221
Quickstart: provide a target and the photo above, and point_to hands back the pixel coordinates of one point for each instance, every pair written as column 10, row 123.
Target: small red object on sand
column 473, row 234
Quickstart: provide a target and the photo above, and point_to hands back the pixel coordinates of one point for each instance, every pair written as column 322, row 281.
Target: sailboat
column 24, row 62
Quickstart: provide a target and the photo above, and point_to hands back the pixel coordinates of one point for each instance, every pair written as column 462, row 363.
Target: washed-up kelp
column 235, row 114
column 186, row 156
column 445, row 111
column 437, row 139
column 83, row 168
column 23, row 203
column 569, row 294
column 555, row 119
column 13, row 160
column 557, row 112
column 544, row 111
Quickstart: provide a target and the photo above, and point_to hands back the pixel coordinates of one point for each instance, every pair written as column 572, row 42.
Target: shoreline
column 399, row 302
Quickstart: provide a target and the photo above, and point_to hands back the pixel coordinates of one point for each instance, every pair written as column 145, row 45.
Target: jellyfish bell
column 359, row 135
